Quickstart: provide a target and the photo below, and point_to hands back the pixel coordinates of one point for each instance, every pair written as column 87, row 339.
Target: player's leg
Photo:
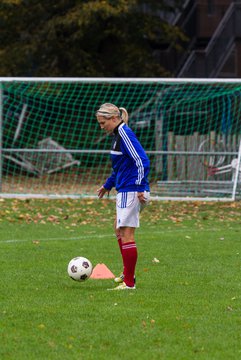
column 127, row 219
column 128, row 210
column 118, row 236
column 129, row 255
column 119, row 279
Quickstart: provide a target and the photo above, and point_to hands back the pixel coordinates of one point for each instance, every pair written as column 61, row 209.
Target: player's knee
column 127, row 234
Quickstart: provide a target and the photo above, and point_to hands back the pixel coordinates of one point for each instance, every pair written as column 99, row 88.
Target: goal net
column 51, row 144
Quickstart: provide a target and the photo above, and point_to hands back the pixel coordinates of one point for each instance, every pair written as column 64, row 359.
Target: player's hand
column 101, row 192
column 141, row 197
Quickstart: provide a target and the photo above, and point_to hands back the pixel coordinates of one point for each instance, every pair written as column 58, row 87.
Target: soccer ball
column 79, row 268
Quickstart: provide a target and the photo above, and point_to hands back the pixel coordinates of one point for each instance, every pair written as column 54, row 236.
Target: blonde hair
column 109, row 110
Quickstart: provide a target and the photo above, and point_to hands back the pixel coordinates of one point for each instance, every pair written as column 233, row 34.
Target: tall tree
column 117, row 38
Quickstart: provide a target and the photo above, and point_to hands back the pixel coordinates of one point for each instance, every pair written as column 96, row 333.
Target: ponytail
column 124, row 115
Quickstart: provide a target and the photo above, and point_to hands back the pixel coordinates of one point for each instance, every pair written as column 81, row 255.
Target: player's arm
column 108, row 185
column 133, row 148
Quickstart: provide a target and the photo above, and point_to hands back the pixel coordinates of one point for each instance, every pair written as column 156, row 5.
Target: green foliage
column 186, row 305
column 87, row 38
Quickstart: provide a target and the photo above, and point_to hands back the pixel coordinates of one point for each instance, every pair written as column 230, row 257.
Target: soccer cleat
column 123, row 286
column 119, row 279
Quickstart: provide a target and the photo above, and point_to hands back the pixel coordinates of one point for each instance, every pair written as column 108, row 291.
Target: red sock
column 129, row 254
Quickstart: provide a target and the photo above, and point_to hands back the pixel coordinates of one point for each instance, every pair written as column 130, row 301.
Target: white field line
column 83, row 237
column 96, row 236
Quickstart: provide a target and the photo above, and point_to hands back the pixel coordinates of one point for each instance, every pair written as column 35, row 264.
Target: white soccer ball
column 80, row 268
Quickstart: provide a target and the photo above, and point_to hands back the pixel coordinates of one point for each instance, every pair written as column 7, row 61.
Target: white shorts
column 128, row 209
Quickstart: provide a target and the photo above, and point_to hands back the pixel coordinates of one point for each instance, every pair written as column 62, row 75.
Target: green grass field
column 186, row 306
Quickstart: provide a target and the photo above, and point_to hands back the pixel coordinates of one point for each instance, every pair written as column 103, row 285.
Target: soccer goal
column 51, row 144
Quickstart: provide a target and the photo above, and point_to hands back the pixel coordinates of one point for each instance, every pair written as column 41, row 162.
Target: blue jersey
column 129, row 162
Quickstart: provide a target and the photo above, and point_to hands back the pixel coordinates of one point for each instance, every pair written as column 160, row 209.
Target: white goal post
column 51, row 145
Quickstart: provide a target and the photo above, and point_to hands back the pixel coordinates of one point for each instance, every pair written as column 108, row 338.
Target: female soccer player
column 130, row 166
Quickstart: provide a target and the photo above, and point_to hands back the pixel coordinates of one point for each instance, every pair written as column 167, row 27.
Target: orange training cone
column 101, row 271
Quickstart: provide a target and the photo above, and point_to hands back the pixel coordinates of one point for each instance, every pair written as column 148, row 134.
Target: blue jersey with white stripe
column 129, row 162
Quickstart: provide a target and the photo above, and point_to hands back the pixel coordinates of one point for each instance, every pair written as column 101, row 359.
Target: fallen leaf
column 41, row 326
